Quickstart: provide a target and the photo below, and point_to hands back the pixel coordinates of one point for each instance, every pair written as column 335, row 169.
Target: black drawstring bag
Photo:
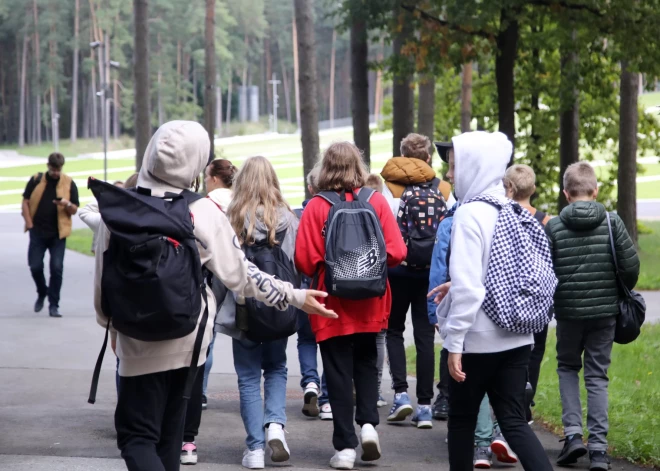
column 632, row 307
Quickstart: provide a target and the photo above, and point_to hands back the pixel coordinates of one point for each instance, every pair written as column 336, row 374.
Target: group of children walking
column 414, row 244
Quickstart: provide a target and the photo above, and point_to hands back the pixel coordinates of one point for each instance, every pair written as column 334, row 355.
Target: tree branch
column 454, row 27
column 570, row 6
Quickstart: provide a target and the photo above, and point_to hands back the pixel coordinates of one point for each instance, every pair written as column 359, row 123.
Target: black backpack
column 265, row 323
column 355, row 255
column 152, row 281
column 421, row 210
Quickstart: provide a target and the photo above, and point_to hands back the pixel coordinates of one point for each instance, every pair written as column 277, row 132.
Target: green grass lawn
column 69, row 149
column 649, row 253
column 649, row 99
column 80, row 240
column 634, row 395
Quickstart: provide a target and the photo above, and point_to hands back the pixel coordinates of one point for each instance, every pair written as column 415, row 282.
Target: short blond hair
column 520, row 181
column 375, row 182
column 416, row 146
column 313, row 176
column 342, row 168
column 580, row 180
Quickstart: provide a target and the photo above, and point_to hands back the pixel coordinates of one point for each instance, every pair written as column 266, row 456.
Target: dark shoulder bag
column 632, row 308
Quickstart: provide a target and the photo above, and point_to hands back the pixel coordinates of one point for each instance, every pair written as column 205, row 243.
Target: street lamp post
column 274, row 83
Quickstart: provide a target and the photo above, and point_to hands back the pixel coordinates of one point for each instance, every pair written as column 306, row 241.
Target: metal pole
column 274, row 82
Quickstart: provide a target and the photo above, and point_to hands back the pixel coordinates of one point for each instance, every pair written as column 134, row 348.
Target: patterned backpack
column 520, row 280
column 421, row 209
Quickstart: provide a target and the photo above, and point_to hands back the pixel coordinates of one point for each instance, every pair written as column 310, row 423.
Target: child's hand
column 456, row 367
column 439, row 292
column 312, row 306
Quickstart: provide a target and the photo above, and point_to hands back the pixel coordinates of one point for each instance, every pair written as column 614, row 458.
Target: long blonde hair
column 256, row 196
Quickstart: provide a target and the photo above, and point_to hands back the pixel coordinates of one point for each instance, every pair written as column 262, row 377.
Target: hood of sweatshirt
column 583, row 215
column 406, row 171
column 285, row 219
column 177, row 154
column 480, row 161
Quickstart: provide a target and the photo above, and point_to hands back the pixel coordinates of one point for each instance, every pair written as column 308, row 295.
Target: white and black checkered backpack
column 520, row 280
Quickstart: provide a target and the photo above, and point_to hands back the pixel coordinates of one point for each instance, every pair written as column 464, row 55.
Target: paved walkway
column 45, row 370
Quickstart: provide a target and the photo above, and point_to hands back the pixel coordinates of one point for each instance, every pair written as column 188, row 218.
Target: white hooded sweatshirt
column 481, row 160
column 175, row 156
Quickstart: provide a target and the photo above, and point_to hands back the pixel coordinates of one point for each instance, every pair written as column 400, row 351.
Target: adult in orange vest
column 49, row 201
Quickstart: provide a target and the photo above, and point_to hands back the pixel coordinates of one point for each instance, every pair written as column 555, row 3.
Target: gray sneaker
column 483, row 457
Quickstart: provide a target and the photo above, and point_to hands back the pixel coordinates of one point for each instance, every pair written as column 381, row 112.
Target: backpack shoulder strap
column 330, row 196
column 190, row 196
column 486, row 199
column 365, row 194
column 539, row 216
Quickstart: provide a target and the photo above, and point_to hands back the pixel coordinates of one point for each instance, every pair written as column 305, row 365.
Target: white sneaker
column 277, row 443
column 311, row 404
column 254, row 459
column 326, row 412
column 344, row 459
column 189, row 453
column 370, row 443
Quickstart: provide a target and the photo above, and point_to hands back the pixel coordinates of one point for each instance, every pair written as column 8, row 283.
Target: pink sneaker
column 189, row 453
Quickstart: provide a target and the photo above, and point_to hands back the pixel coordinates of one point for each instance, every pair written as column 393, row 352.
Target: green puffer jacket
column 580, row 245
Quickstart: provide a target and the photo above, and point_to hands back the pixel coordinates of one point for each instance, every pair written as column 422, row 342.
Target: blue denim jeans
column 208, row 365
column 307, row 357
column 249, row 359
column 36, row 252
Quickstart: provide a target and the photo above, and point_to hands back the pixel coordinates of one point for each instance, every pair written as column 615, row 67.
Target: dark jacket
column 583, row 262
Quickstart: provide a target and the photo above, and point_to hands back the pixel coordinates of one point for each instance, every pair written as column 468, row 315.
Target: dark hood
column 583, row 215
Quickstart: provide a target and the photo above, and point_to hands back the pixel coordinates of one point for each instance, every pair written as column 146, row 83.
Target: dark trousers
column 503, row 375
column 411, row 292
column 150, row 418
column 443, row 384
column 36, row 252
column 536, row 358
column 348, row 360
column 194, row 409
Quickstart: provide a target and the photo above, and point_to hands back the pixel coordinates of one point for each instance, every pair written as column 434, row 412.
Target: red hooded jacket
column 355, row 316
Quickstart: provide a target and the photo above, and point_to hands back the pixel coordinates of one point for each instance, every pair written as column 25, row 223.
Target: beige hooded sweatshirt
column 175, row 156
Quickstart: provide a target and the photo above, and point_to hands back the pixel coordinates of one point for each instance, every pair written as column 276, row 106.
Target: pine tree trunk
column 507, row 45
column 218, row 104
column 269, row 74
column 285, row 84
column 21, row 118
column 115, row 110
column 85, row 110
column 141, row 73
column 37, row 61
column 627, row 176
column 466, row 97
column 378, row 98
column 54, row 115
column 228, row 113
column 296, row 72
column 161, row 111
column 426, row 106
column 76, row 58
column 307, row 82
column 209, row 75
column 331, row 99
column 360, row 87
column 92, row 103
column 403, row 98
column 569, row 118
